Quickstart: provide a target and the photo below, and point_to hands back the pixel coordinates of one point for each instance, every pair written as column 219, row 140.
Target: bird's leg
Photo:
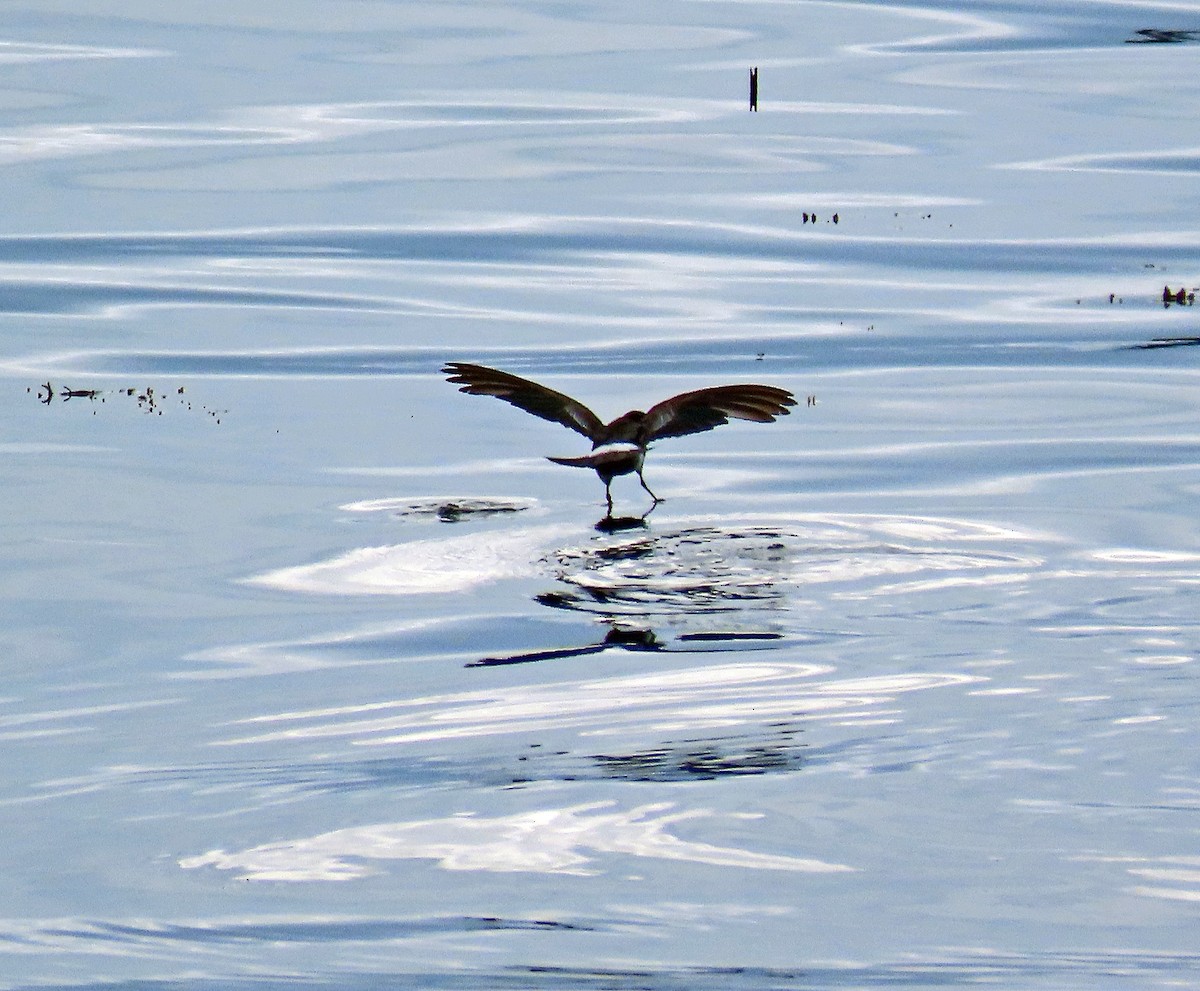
column 656, row 499
column 608, row 495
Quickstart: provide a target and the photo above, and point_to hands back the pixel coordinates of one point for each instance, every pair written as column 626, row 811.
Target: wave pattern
column 338, row 682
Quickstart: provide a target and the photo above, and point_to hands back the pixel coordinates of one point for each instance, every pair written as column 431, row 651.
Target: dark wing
column 695, row 412
column 478, row 380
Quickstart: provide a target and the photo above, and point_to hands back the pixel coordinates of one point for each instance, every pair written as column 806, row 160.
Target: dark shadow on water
column 619, row 638
column 1166, row 342
column 1163, row 36
column 771, row 749
column 332, row 931
column 615, row 638
column 457, row 510
column 736, row 357
column 60, row 298
column 651, row 590
column 679, row 580
column 333, row 776
column 728, row 637
column 617, row 524
column 708, row 758
column 1100, row 969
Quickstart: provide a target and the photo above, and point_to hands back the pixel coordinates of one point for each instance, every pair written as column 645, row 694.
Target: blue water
column 316, row 672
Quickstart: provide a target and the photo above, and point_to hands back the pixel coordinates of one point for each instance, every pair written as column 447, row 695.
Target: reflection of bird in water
column 620, row 638
column 619, row 447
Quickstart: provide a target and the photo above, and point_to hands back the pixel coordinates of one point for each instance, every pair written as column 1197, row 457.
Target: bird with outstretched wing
column 619, row 447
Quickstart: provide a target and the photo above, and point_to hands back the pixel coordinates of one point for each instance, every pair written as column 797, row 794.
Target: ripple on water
column 704, row 567
column 768, row 570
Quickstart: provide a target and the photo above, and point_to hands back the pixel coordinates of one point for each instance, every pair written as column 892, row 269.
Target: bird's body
column 609, row 461
column 619, row 447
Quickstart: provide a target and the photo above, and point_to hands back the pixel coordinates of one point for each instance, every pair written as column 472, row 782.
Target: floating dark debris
column 457, row 510
column 149, row 400
column 1159, row 36
column 1178, row 297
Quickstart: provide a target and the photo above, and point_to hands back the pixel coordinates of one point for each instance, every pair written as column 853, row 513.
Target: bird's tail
column 612, row 455
column 587, row 461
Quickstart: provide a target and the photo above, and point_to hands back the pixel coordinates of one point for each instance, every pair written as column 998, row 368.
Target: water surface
column 318, row 673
